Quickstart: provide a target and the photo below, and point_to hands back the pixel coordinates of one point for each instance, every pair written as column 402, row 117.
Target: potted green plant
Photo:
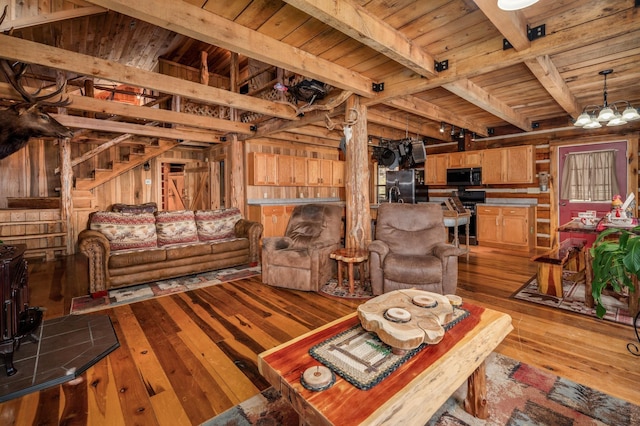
column 616, row 260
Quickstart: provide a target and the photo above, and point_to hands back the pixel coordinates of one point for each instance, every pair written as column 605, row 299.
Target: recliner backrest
column 410, row 229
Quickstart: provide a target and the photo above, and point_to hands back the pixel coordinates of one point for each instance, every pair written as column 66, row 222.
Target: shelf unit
column 42, row 230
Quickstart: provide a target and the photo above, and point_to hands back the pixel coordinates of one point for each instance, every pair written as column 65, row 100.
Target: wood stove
column 17, row 319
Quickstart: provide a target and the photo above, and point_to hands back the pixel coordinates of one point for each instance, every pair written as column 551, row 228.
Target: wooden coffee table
column 408, row 396
column 350, row 257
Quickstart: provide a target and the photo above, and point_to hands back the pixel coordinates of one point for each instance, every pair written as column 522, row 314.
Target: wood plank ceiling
column 351, row 45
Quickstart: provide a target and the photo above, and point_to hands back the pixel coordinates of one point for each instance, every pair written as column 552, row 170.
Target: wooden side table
column 350, row 256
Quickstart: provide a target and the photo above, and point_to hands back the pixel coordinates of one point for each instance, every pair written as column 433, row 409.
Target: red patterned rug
column 518, row 395
column 124, row 296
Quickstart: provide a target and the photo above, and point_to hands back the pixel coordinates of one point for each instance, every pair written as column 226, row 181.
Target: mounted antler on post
column 25, row 120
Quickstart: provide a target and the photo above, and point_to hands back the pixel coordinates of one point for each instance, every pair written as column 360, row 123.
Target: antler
column 13, row 74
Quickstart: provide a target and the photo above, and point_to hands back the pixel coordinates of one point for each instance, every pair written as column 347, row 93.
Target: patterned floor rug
column 85, row 304
column 518, row 394
column 332, row 289
column 573, row 300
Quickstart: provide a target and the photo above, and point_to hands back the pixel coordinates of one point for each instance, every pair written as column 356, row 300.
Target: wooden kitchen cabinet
column 509, row 227
column 263, row 169
column 274, row 219
column 292, row 170
column 465, row 159
column 337, row 173
column 508, row 165
column 435, row 169
column 319, row 172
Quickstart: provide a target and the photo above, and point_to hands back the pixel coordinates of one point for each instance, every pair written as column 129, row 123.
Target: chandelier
column 515, row 4
column 594, row 116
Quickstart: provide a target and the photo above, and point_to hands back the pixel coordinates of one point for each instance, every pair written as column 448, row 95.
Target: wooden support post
column 204, row 68
column 236, row 175
column 66, row 202
column 358, row 216
column 234, row 78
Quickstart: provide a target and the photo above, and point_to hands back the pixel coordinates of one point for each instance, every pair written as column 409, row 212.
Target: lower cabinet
column 274, row 219
column 506, row 227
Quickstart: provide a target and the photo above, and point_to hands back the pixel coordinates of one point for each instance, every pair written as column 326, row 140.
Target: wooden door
column 174, row 191
column 197, row 184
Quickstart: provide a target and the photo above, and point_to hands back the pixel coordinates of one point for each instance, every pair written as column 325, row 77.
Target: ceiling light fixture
column 442, row 127
column 515, row 4
column 593, row 115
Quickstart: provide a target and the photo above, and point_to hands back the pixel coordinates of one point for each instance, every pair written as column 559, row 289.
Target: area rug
column 518, row 394
column 61, row 350
column 117, row 297
column 573, row 300
column 332, row 289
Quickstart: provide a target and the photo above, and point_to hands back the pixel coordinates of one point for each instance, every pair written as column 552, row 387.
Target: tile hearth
column 63, row 349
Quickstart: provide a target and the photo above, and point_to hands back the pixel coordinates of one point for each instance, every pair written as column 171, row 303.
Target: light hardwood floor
column 185, row 358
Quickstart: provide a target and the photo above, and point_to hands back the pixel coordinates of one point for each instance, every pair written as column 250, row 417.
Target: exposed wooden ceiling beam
column 384, row 120
column 136, row 129
column 431, row 111
column 48, row 18
column 490, row 56
column 475, row 94
column 512, row 25
column 356, row 22
column 84, row 103
column 549, row 76
column 30, row 52
column 202, row 25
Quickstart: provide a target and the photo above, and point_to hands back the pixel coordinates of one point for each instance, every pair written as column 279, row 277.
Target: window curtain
column 590, row 176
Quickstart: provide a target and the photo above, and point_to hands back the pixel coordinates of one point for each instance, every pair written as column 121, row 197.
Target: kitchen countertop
column 292, row 201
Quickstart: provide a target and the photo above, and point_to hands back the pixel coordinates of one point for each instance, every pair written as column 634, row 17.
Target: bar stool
column 455, row 219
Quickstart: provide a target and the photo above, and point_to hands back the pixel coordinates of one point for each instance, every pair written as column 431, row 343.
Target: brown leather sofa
column 300, row 260
column 133, row 248
column 410, row 250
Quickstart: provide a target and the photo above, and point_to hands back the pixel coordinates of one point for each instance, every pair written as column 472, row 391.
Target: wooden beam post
column 236, row 174
column 66, row 202
column 358, row 216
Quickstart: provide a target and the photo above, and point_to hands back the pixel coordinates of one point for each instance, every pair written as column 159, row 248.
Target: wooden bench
column 568, row 255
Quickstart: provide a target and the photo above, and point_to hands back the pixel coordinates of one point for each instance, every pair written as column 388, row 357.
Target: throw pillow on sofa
column 217, row 224
column 176, row 227
column 126, row 231
column 135, row 208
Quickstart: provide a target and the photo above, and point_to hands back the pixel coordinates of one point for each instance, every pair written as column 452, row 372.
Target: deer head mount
column 27, row 119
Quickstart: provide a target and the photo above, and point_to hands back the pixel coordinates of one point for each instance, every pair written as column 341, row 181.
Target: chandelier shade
column 515, row 4
column 595, row 116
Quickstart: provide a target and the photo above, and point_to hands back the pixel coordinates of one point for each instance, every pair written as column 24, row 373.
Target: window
column 590, row 176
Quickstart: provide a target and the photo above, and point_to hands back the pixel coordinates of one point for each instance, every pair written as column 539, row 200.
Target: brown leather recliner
column 300, row 260
column 410, row 250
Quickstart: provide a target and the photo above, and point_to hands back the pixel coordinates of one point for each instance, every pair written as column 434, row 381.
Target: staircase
column 133, row 159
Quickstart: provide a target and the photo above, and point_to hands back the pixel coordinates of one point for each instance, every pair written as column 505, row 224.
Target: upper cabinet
column 508, row 165
column 263, row 169
column 319, row 172
column 338, row 173
column 465, row 159
column 435, row 169
column 290, row 170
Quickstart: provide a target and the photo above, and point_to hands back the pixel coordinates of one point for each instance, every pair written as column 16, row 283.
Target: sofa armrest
column 253, row 231
column 95, row 246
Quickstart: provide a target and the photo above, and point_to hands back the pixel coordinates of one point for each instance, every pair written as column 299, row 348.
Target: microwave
column 464, row 177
